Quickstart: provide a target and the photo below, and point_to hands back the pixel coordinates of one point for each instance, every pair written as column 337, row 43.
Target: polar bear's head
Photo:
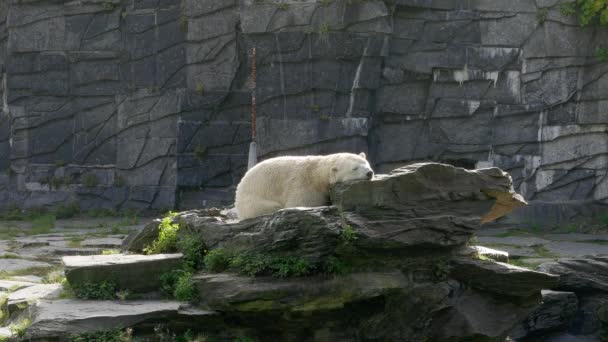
column 350, row 167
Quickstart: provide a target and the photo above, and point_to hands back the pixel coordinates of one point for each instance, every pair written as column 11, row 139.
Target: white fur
column 287, row 182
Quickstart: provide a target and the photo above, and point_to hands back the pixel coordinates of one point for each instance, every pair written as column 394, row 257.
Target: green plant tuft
column 217, row 260
column 167, row 236
column 193, row 250
column 115, row 335
column 18, row 329
column 105, row 290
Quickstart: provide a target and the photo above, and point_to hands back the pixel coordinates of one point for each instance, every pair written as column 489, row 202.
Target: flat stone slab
column 52, row 319
column 137, row 273
column 102, row 243
column 230, row 292
column 31, row 294
column 566, row 249
column 11, row 285
column 501, row 278
column 14, row 265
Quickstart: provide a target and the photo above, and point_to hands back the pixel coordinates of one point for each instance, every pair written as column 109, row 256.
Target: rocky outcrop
column 419, row 206
column 387, row 261
column 146, row 104
column 138, row 273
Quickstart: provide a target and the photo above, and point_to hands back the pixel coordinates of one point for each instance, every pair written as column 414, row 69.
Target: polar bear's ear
column 362, row 155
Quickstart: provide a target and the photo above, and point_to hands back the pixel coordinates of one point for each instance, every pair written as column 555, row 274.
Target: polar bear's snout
column 370, row 175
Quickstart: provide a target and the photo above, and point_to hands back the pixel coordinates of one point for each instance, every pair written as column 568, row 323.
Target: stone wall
column 145, row 103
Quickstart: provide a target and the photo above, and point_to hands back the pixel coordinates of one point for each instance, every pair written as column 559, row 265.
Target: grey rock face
column 146, row 105
column 138, row 273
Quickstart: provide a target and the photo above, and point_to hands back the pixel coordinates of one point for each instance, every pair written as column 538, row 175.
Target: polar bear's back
column 274, row 180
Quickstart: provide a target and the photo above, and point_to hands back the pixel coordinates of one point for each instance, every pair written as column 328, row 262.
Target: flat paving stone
column 108, row 242
column 14, row 265
column 13, row 285
column 576, row 249
column 5, row 332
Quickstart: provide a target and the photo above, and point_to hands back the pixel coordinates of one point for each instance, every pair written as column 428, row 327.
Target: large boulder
column 407, row 272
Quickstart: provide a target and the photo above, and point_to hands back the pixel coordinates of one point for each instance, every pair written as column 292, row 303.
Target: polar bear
column 287, row 182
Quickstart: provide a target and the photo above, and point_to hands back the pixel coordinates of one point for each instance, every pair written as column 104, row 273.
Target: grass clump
column 104, row 290
column 18, row 329
column 253, row 265
column 67, row 211
column 115, row 335
column 217, row 260
column 193, row 250
column 567, row 9
column 167, row 236
column 110, row 251
column 43, row 224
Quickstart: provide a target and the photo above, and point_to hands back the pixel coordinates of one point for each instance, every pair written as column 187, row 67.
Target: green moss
column 3, row 309
column 200, row 152
column 259, row 305
column 602, row 55
column 541, row 15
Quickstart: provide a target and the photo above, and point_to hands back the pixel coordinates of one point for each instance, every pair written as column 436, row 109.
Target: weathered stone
column 9, row 285
column 555, row 312
column 137, row 273
column 500, row 278
column 55, row 319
